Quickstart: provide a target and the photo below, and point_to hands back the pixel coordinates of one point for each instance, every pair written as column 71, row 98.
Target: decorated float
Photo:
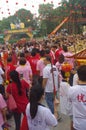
column 79, row 52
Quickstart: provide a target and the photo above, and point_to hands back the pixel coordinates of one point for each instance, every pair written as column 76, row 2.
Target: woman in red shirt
column 18, row 89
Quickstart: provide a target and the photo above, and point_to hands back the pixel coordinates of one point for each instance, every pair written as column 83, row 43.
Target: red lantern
column 59, row 3
column 16, row 3
column 33, row 6
column 65, row 5
column 6, row 1
column 9, row 13
column 44, row 0
column 2, row 12
column 70, row 5
column 24, row 4
column 8, row 9
column 51, row 2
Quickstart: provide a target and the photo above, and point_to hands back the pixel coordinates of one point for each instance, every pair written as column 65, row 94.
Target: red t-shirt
column 28, row 58
column 8, row 69
column 22, row 100
column 57, row 53
column 33, row 63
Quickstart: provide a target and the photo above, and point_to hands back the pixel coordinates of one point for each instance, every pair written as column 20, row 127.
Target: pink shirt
column 2, row 105
column 40, row 66
column 25, row 72
column 58, row 65
column 69, row 60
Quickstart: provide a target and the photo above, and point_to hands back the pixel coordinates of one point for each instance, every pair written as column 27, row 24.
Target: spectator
column 40, row 66
column 9, row 67
column 38, row 116
column 48, row 83
column 24, row 70
column 77, row 94
column 18, row 89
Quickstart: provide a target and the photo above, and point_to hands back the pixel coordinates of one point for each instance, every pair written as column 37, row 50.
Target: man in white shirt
column 77, row 95
column 48, row 82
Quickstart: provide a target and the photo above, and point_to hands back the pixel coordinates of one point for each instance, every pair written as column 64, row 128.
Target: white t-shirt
column 65, row 106
column 77, row 94
column 75, row 79
column 43, row 119
column 1, row 73
column 48, row 74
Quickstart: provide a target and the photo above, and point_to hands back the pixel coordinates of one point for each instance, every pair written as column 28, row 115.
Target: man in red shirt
column 58, row 51
column 9, row 67
column 33, row 62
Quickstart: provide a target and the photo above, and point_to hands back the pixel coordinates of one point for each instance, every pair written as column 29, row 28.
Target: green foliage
column 21, row 15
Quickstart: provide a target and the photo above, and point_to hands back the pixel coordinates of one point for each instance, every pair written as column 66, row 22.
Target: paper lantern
column 59, row 3
column 70, row 5
column 9, row 13
column 51, row 2
column 33, row 6
column 8, row 9
column 65, row 5
column 16, row 3
column 6, row 1
column 24, row 4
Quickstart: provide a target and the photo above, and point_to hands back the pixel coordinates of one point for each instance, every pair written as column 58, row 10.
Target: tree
column 21, row 15
column 47, row 16
column 24, row 16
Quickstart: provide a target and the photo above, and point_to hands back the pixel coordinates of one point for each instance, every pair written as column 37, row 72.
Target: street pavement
column 63, row 124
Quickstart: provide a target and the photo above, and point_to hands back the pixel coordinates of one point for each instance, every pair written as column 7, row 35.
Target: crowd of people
column 38, row 71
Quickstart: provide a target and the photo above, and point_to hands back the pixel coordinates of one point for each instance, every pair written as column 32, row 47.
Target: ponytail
column 36, row 93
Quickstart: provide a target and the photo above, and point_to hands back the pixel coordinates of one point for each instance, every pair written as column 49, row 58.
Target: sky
column 9, row 7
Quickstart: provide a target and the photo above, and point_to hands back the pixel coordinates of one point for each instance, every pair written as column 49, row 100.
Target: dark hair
column 9, row 59
column 14, row 75
column 61, row 58
column 22, row 54
column 82, row 73
column 33, row 53
column 48, row 58
column 42, row 53
column 47, row 51
column 36, row 93
column 65, row 48
column 63, row 74
column 22, row 61
column 26, row 51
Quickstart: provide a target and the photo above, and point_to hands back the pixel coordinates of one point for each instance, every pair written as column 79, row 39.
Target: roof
column 80, row 55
